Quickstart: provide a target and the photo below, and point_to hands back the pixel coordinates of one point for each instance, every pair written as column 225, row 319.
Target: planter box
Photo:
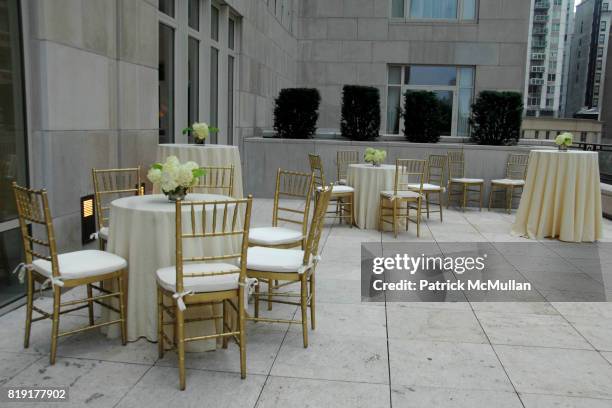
column 263, row 156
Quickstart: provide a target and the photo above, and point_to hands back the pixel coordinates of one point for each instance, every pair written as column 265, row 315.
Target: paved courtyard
column 463, row 354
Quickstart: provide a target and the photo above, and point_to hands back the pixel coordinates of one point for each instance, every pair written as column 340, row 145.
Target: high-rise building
column 589, row 52
column 547, row 48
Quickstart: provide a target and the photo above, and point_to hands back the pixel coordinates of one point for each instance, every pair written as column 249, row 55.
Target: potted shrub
column 496, row 118
column 296, row 112
column 360, row 112
column 422, row 116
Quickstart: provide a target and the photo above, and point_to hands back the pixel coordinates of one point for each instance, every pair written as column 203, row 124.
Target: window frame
column 459, row 18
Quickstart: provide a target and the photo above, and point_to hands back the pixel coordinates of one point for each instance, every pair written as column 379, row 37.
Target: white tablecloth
column 142, row 230
column 561, row 198
column 368, row 181
column 206, row 155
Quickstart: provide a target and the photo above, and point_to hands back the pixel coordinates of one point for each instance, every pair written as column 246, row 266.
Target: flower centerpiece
column 375, row 156
column 174, row 178
column 564, row 140
column 200, row 131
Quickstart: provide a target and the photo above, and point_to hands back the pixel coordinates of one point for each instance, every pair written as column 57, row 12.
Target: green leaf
column 198, row 173
column 213, row 129
column 187, row 129
column 157, row 166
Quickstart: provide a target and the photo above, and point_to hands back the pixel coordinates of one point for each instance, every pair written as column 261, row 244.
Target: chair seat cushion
column 274, row 236
column 400, row 194
column 275, row 260
column 340, row 189
column 509, row 182
column 103, row 233
column 166, row 277
column 342, row 182
column 467, row 180
column 427, row 187
column 82, row 264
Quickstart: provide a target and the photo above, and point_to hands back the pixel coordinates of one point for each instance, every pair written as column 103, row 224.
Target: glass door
column 13, row 153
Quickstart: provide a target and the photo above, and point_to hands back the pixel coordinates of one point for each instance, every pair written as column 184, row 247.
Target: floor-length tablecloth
column 561, row 198
column 368, row 181
column 207, row 155
column 142, row 230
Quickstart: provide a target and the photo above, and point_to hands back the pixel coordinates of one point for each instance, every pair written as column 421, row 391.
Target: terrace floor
column 463, row 354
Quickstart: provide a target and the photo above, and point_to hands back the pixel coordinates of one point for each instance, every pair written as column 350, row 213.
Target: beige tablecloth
column 368, row 181
column 206, row 155
column 142, row 230
column 561, row 198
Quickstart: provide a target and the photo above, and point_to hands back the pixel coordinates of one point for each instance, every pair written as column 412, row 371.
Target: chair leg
column 256, row 301
column 57, row 293
column 242, row 335
column 509, row 194
column 465, row 194
column 122, row 296
column 352, row 212
column 418, row 220
column 395, row 217
column 312, row 302
column 90, row 305
column 440, row 205
column 380, row 214
column 481, row 192
column 449, row 195
column 180, row 338
column 490, row 197
column 427, row 203
column 224, row 323
column 160, row 323
column 407, row 214
column 269, row 294
column 30, row 294
column 304, row 308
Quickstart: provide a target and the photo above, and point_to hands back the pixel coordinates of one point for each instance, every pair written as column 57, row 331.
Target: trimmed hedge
column 496, row 118
column 422, row 117
column 360, row 112
column 296, row 111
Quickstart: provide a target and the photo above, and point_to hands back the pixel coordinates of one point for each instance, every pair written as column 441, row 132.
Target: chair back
column 296, row 186
column 311, row 249
column 516, row 167
column 111, row 184
column 436, row 168
column 33, row 208
column 316, row 167
column 343, row 159
column 216, row 180
column 456, row 164
column 409, row 172
column 202, row 224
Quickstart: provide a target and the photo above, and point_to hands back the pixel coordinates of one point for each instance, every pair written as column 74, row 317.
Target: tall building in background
column 547, row 48
column 589, row 52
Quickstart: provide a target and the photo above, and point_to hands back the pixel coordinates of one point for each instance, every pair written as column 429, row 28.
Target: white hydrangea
column 168, row 181
column 185, row 176
column 154, row 175
column 200, row 130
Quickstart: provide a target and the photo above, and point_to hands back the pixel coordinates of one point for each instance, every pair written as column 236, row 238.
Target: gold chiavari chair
column 216, row 180
column 342, row 196
column 66, row 270
column 291, row 266
column 516, row 171
column 459, row 186
column 205, row 280
column 434, row 182
column 110, row 184
column 343, row 159
column 295, row 186
column 408, row 172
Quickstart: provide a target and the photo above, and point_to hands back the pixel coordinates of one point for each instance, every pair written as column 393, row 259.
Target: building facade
column 99, row 83
column 550, row 24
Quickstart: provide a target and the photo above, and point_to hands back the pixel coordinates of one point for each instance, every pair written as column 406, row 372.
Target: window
column 194, row 14
column 600, row 51
column 552, row 77
column 602, row 38
column 605, row 6
column 167, row 7
column 193, row 82
column 454, row 87
column 214, row 91
column 433, row 9
column 214, row 23
column 166, row 84
column 13, row 151
column 602, row 26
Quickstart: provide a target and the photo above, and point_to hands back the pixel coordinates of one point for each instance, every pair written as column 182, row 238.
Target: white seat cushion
column 82, row 264
column 275, row 260
column 427, row 187
column 340, row 189
column 103, row 233
column 199, row 284
column 509, row 182
column 400, row 194
column 274, row 236
column 467, row 180
column 342, row 182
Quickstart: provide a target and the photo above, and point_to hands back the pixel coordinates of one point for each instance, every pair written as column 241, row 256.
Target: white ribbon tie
column 179, row 298
column 21, row 270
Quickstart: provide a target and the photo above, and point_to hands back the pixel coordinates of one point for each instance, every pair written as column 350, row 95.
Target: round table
column 561, row 197
column 368, row 181
column 142, row 230
column 206, row 155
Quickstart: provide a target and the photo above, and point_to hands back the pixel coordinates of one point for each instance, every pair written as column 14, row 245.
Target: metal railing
column 604, row 152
